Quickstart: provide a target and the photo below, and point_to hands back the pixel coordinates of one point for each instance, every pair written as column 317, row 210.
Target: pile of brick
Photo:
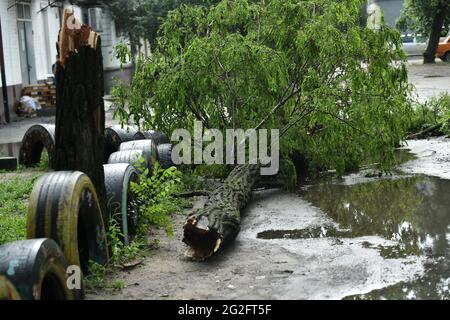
column 44, row 93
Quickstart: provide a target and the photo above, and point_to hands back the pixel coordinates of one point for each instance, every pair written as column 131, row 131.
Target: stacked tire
column 64, row 207
column 120, row 200
column 115, row 136
column 135, row 154
column 151, row 145
column 65, row 230
column 66, row 227
column 35, row 270
column 36, row 139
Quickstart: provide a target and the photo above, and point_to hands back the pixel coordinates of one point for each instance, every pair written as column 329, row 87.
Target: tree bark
column 80, row 112
column 422, row 134
column 429, row 55
column 209, row 229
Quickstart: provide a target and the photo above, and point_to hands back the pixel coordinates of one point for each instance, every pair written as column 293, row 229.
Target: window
column 407, row 38
column 95, row 16
column 23, row 11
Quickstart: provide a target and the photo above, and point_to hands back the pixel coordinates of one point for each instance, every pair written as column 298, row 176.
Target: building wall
column 46, row 25
column 10, row 44
column 12, row 60
column 391, row 10
column 109, row 38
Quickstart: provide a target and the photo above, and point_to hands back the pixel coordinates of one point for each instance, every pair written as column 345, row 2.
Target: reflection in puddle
column 317, row 232
column 414, row 211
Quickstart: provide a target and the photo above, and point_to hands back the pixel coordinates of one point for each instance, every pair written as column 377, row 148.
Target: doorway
column 26, row 45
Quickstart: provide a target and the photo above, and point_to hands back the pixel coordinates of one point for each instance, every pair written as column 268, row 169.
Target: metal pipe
column 47, row 6
column 3, row 75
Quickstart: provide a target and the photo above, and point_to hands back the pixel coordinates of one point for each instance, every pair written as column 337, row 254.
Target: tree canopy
column 428, row 17
column 141, row 19
column 337, row 91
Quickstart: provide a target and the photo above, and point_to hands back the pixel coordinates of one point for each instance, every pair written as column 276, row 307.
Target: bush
column 432, row 112
column 155, row 192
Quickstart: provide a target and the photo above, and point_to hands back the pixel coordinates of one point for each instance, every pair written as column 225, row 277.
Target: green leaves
column 418, row 15
column 141, row 19
column 229, row 65
column 155, row 191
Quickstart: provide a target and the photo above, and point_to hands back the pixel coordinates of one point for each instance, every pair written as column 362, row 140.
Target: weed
column 155, row 192
column 120, row 253
column 44, row 164
column 96, row 279
column 118, row 285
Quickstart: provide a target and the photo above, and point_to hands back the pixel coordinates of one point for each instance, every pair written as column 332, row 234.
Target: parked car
column 443, row 50
column 414, row 45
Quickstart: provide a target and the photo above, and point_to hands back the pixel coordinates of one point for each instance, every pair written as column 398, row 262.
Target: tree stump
column 80, row 112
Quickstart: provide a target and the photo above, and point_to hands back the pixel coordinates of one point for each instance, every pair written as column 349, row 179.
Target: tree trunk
column 429, row 55
column 217, row 224
column 80, row 112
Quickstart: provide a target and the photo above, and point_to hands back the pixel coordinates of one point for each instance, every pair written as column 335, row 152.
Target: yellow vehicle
column 443, row 50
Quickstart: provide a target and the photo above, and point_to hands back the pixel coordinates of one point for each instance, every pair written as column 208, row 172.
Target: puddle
column 317, row 232
column 10, row 149
column 413, row 211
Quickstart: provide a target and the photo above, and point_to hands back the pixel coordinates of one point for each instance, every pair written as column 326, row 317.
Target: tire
column 116, row 135
column 37, row 138
column 131, row 157
column 64, row 207
column 8, row 163
column 165, row 155
column 7, row 290
column 157, row 137
column 446, row 57
column 120, row 201
column 147, row 145
column 37, row 269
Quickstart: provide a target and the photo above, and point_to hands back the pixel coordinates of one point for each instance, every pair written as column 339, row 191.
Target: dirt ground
column 251, row 268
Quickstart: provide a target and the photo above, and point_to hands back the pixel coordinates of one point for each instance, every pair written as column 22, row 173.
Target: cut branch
column 429, row 130
column 217, row 224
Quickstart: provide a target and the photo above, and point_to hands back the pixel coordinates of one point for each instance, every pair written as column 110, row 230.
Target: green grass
column 13, row 208
column 44, row 163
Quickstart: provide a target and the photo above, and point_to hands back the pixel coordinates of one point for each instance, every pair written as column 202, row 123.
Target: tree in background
column 430, row 17
column 338, row 91
column 141, row 19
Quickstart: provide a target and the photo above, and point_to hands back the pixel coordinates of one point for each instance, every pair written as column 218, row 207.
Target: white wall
column 39, row 40
column 10, row 44
column 45, row 35
column 109, row 40
column 46, row 28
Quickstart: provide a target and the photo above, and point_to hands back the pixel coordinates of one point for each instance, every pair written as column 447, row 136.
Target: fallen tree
column 218, row 223
column 238, row 62
column 428, row 131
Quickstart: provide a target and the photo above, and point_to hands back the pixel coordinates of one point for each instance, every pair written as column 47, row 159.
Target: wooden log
column 427, row 131
column 217, row 224
column 80, row 113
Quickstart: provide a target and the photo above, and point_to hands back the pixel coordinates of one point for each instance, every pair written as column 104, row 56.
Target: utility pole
column 3, row 74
